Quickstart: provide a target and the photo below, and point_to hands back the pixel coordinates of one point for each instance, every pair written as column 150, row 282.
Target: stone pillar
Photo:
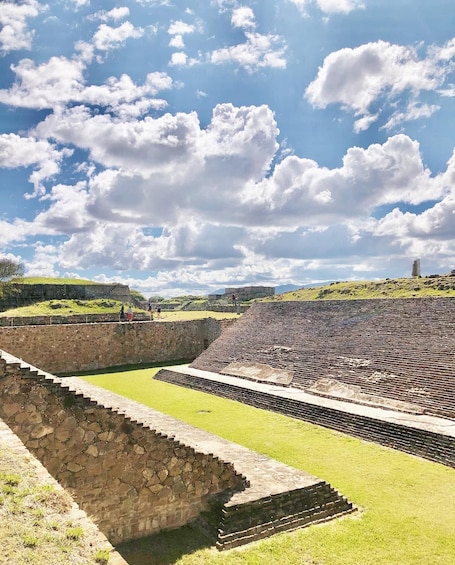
column 416, row 268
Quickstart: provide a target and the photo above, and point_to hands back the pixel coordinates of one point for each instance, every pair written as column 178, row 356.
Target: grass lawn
column 407, row 504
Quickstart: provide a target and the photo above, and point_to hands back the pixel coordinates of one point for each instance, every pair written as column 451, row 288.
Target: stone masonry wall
column 132, row 479
column 23, row 294
column 79, row 347
column 6, row 321
column 395, row 349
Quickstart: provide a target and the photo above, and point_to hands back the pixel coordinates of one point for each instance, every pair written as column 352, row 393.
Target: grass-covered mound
column 418, row 287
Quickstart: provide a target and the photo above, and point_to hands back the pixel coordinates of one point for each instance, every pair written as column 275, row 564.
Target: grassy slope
column 50, row 280
column 388, row 288
column 407, row 504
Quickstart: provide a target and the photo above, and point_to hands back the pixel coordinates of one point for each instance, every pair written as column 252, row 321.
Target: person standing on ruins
column 130, row 314
column 122, row 314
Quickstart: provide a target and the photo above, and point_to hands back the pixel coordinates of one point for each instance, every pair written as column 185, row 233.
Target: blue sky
column 186, row 146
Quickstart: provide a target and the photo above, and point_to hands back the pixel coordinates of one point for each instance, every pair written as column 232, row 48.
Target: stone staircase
column 250, row 521
column 400, row 349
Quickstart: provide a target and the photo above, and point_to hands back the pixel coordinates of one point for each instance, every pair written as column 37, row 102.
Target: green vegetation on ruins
column 52, row 280
column 37, row 520
column 191, row 307
column 65, row 308
column 417, row 287
column 406, row 504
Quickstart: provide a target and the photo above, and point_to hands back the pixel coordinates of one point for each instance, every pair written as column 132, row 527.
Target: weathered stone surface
column 41, row 431
column 91, row 346
column 116, row 469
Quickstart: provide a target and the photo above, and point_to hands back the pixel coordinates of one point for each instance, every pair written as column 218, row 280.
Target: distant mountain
column 291, row 287
column 286, row 288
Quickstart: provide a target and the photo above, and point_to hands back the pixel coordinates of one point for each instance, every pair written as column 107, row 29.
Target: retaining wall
column 131, row 478
column 18, row 294
column 81, row 347
column 416, row 441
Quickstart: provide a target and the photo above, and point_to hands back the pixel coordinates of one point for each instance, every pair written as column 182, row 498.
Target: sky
column 186, row 146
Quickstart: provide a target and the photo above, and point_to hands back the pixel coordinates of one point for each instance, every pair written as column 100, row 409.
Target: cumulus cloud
column 180, row 28
column 178, row 59
column 360, row 77
column 61, row 81
column 161, row 169
column 45, row 85
column 299, row 191
column 43, row 157
column 114, row 14
column 259, row 51
column 107, row 37
column 243, row 17
column 329, row 6
column 14, row 33
column 219, row 204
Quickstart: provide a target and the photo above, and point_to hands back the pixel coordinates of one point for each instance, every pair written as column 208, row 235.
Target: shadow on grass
column 163, row 548
column 125, row 368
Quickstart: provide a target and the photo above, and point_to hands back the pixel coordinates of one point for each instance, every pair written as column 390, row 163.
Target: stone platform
column 420, row 434
column 277, row 497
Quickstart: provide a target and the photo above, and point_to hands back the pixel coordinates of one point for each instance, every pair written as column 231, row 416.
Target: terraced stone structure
column 136, row 471
column 391, row 355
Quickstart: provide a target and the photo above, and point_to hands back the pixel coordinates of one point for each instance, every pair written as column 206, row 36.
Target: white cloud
column 180, row 28
column 66, row 214
column 243, row 17
column 17, row 151
column 61, row 81
column 107, row 37
column 80, row 3
column 259, row 51
column 177, row 42
column 299, row 192
column 14, row 33
column 114, row 14
column 45, row 85
column 357, row 78
column 329, row 6
column 178, row 59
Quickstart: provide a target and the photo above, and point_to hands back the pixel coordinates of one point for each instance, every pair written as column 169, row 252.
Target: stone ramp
column 385, row 350
column 277, row 498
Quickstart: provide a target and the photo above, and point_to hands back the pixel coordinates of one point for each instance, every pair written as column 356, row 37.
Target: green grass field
column 406, row 504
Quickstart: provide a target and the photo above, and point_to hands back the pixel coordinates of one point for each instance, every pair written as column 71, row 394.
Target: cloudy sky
column 182, row 146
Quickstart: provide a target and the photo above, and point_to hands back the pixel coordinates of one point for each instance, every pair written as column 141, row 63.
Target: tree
column 10, row 269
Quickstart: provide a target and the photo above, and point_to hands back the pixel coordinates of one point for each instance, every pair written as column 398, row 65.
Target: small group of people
column 150, row 310
column 129, row 314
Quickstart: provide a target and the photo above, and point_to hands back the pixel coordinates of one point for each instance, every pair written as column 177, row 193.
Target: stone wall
column 131, row 478
column 391, row 349
column 71, row 319
column 18, row 294
column 81, row 347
